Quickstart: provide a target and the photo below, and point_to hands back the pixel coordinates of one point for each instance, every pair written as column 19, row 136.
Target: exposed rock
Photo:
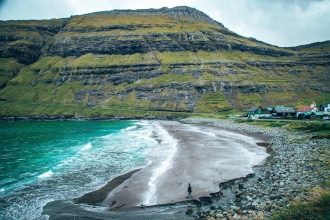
column 176, row 59
column 281, row 180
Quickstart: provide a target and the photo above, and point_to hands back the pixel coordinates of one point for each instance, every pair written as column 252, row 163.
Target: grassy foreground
column 318, row 208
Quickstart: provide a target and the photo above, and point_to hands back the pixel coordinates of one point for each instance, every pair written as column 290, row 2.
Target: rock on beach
column 275, row 184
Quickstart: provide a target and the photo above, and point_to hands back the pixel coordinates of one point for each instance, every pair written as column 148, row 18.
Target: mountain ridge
column 181, row 60
column 175, row 12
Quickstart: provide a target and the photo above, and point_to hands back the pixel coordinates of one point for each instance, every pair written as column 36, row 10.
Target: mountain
column 168, row 61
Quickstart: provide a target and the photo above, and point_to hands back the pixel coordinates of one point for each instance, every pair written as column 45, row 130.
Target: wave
column 129, row 128
column 80, row 164
column 46, row 174
column 87, row 146
column 167, row 148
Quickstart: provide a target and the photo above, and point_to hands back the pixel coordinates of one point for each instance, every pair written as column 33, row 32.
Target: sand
column 199, row 154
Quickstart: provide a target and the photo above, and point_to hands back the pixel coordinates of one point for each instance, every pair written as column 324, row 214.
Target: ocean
column 47, row 161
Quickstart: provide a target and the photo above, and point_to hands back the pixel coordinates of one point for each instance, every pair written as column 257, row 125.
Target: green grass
column 264, row 123
column 9, row 64
column 21, row 41
column 47, row 63
column 317, row 97
column 253, row 99
column 167, row 58
column 318, row 129
column 170, row 78
column 141, row 24
column 212, row 103
column 317, row 208
column 310, row 126
column 9, row 67
column 92, row 60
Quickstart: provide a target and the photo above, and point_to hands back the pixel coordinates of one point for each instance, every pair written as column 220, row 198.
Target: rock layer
column 176, row 59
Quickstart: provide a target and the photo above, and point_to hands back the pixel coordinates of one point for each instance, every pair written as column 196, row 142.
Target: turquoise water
column 47, row 161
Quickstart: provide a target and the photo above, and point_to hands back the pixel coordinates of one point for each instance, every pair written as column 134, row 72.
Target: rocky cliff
column 138, row 62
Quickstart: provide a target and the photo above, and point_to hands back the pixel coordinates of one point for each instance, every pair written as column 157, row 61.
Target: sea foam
column 45, row 174
column 87, row 146
column 167, row 150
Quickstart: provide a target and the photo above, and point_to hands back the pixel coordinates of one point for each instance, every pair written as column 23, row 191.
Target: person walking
column 189, row 191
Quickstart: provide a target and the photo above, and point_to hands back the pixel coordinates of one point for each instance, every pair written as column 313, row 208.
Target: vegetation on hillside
column 182, row 62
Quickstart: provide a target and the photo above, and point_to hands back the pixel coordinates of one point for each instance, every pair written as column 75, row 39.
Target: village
column 310, row 112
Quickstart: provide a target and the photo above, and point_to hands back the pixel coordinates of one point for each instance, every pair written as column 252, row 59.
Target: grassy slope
column 34, row 83
column 47, row 68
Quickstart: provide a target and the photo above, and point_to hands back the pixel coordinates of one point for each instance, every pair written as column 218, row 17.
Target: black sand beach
column 198, row 157
column 201, row 154
column 204, row 156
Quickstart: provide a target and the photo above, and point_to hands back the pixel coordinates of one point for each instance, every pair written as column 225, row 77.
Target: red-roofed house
column 306, row 110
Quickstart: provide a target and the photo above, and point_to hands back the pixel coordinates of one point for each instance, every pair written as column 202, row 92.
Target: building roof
column 252, row 109
column 318, row 113
column 306, row 113
column 283, row 109
column 304, row 109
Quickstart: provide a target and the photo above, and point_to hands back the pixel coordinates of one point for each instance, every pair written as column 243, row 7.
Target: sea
column 47, row 161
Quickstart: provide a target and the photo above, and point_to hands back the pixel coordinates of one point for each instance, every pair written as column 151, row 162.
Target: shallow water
column 43, row 162
column 47, row 161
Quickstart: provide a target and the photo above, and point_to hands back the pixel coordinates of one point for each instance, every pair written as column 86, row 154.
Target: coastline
column 98, row 196
column 283, row 178
column 82, row 118
column 203, row 156
column 261, row 193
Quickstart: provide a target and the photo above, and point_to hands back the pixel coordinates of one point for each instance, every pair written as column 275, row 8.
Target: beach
column 201, row 155
column 196, row 153
column 242, row 170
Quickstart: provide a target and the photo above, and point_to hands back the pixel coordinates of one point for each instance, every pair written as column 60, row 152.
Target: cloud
column 278, row 22
column 281, row 22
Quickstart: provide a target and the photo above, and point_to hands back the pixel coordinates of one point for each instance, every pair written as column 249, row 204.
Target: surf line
column 171, row 147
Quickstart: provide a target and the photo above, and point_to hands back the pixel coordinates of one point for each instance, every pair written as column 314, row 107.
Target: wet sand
column 200, row 154
column 98, row 196
column 203, row 156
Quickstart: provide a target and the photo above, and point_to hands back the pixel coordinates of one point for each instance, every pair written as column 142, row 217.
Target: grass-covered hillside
column 150, row 62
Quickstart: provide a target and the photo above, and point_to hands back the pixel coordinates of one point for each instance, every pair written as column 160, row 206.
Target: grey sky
column 278, row 22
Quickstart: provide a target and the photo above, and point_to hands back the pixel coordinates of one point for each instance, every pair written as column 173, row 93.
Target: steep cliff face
column 134, row 61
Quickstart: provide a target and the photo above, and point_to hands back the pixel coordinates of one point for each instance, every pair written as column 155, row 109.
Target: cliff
column 143, row 62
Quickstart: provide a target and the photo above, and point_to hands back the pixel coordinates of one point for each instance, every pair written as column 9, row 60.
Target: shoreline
column 202, row 155
column 41, row 118
column 261, row 193
column 98, row 196
column 280, row 180
column 160, row 176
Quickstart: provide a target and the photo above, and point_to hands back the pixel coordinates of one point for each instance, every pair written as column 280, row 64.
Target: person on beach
column 189, row 191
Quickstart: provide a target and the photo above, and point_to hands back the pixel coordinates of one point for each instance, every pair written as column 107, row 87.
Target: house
column 304, row 112
column 325, row 107
column 255, row 111
column 282, row 111
column 303, row 109
column 258, row 112
column 316, row 115
column 304, row 115
column 306, row 109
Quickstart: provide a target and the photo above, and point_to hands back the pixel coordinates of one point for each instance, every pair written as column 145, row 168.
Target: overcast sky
column 278, row 22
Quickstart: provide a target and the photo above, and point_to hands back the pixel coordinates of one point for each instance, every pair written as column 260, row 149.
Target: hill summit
column 150, row 62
